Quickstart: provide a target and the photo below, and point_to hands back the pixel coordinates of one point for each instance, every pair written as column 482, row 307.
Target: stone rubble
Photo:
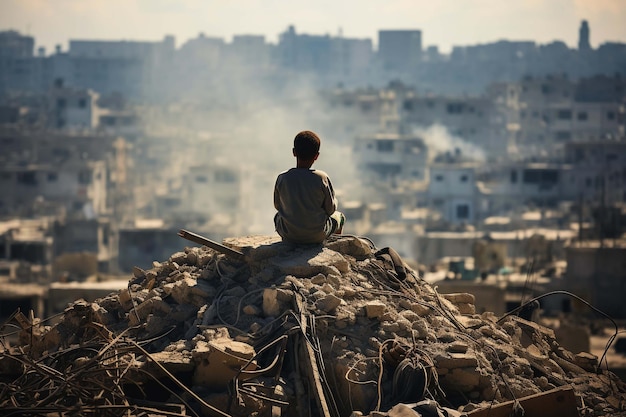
column 233, row 331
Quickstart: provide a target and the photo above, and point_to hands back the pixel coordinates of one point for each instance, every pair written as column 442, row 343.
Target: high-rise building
column 15, row 45
column 399, row 50
column 583, row 37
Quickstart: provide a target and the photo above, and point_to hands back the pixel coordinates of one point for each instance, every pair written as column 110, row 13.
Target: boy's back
column 304, row 199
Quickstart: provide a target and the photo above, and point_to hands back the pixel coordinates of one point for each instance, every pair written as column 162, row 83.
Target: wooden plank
column 311, row 362
column 557, row 402
column 230, row 252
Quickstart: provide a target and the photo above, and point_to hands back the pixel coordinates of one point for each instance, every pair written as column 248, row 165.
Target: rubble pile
column 340, row 329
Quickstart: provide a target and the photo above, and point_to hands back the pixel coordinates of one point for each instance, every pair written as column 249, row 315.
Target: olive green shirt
column 304, row 199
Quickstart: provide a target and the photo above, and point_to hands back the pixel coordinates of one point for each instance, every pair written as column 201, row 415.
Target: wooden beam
column 230, row 252
column 557, row 402
column 312, row 368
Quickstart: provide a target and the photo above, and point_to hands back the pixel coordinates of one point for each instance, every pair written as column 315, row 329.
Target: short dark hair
column 306, row 145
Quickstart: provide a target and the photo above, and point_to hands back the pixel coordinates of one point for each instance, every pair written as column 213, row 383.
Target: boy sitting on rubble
column 304, row 197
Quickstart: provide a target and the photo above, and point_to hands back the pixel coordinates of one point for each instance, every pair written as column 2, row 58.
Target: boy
column 304, row 197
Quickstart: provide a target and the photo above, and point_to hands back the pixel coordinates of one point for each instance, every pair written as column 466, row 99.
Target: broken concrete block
column 125, row 299
column 456, row 298
column 419, row 309
column 152, row 305
column 463, row 379
column 328, row 303
column 309, row 262
column 258, row 248
column 138, row 272
column 191, row 291
column 455, row 360
column 352, row 246
column 375, row 309
column 587, row 361
column 458, row 347
column 252, row 310
column 466, row 308
column 220, row 360
column 179, row 257
column 319, row 279
column 276, row 300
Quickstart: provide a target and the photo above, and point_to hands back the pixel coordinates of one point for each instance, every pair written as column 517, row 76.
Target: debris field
column 338, row 329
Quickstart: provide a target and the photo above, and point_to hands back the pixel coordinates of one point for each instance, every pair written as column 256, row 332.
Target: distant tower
column 583, row 37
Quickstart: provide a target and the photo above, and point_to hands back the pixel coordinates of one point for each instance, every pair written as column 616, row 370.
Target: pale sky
column 443, row 22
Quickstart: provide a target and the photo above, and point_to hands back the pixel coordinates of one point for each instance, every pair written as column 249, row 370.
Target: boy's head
column 306, row 145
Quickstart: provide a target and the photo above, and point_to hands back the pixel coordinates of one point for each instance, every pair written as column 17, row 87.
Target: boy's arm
column 276, row 196
column 330, row 201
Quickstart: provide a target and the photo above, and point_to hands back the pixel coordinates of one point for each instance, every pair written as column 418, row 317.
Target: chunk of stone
column 375, row 309
column 587, row 361
column 455, row 360
column 220, row 360
column 276, row 300
column 328, row 303
column 312, row 261
column 457, row 298
column 251, row 310
column 353, row 246
column 466, row 308
column 151, row 305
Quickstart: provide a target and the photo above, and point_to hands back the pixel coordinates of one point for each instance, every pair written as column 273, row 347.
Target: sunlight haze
column 443, row 23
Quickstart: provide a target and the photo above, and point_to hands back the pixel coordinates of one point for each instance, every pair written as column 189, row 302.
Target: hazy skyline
column 444, row 23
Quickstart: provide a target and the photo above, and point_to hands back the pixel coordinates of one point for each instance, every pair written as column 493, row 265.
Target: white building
column 391, row 157
column 452, row 191
column 71, row 108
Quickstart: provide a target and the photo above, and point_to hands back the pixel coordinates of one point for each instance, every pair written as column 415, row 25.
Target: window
column 563, row 135
column 84, row 177
column 463, row 178
column 408, row 105
column 52, row 176
column 582, row 116
column 513, row 177
column 384, row 146
column 439, row 178
column 565, row 114
column 27, row 178
column 82, row 103
column 224, row 175
column 610, row 115
column 455, row 108
column 61, row 103
column 462, row 211
column 540, row 176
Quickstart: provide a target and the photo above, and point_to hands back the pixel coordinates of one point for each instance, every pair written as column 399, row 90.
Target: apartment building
column 453, row 192
column 391, row 157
